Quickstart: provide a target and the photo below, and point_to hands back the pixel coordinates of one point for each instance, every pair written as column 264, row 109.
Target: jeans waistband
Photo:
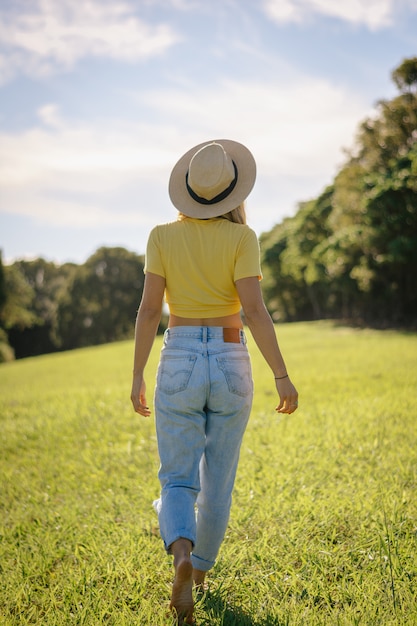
column 208, row 333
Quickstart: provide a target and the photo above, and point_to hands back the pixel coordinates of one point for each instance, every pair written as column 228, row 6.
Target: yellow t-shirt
column 200, row 261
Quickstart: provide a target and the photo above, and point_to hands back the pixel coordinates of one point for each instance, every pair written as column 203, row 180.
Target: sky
column 100, row 98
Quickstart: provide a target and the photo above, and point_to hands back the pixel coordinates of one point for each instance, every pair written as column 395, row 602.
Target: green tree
column 295, row 280
column 405, row 75
column 6, row 352
column 49, row 283
column 278, row 290
column 18, row 308
column 2, row 284
column 388, row 159
column 352, row 252
column 101, row 302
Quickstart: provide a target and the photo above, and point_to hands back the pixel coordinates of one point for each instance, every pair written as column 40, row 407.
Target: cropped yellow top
column 200, row 261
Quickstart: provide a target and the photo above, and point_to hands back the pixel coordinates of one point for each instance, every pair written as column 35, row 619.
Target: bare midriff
column 227, row 321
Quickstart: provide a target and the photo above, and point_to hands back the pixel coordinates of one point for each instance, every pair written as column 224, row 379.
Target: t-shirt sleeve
column 153, row 259
column 248, row 257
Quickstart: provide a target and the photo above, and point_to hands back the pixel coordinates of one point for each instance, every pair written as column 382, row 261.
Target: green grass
column 323, row 528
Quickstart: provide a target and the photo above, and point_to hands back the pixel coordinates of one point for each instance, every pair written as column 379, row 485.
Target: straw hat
column 212, row 178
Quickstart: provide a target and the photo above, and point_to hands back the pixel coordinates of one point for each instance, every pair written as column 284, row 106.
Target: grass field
column 324, row 522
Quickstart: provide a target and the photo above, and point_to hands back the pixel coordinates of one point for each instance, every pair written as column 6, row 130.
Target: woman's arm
column 263, row 331
column 147, row 321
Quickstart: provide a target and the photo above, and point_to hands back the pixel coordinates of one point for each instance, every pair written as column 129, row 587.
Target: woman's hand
column 138, row 395
column 288, row 396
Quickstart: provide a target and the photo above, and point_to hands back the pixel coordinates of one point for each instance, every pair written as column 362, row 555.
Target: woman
column 207, row 265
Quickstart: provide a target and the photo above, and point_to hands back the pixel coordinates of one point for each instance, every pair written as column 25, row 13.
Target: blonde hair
column 237, row 215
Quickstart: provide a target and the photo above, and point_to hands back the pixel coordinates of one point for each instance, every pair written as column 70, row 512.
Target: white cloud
column 293, row 126
column 78, row 174
column 101, row 173
column 46, row 36
column 374, row 14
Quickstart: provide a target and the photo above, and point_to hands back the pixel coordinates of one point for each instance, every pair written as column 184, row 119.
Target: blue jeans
column 203, row 399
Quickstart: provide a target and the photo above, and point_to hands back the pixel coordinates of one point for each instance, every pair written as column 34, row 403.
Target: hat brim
column 246, row 175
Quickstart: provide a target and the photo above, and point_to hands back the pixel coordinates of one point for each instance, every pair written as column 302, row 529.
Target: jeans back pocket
column 175, row 372
column 238, row 374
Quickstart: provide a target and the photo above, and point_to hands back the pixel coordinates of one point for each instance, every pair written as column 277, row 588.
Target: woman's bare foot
column 182, row 603
column 199, row 580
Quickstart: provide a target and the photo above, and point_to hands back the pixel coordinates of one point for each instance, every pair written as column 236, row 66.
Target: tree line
column 349, row 254
column 45, row 307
